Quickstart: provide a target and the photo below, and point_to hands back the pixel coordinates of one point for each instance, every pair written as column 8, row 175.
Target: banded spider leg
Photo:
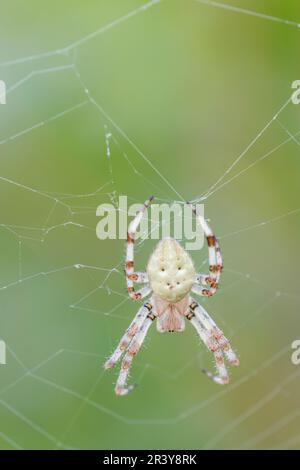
column 215, row 341
column 130, row 345
column 206, row 284
column 131, row 275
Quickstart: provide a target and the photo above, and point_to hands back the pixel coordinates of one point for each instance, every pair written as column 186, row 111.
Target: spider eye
column 178, row 283
column 168, row 284
column 179, row 268
column 162, row 269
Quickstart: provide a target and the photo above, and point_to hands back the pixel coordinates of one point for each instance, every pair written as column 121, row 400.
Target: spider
column 170, row 277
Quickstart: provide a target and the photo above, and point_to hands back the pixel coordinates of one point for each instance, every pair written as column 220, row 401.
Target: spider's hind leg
column 215, row 333
column 222, row 376
column 121, row 388
column 214, row 340
column 129, row 335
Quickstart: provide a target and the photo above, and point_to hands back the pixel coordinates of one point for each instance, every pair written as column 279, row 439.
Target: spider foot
column 148, row 201
column 121, row 391
column 230, row 355
column 216, row 378
column 108, row 364
column 235, row 362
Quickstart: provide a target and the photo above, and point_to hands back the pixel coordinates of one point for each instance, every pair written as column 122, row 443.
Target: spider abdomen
column 171, row 271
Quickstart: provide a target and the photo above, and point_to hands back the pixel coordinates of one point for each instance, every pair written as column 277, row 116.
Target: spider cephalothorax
column 170, row 277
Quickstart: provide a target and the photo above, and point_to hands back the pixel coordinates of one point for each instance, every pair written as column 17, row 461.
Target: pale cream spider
column 171, row 277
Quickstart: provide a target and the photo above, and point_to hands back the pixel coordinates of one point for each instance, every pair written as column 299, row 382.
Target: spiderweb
column 73, row 136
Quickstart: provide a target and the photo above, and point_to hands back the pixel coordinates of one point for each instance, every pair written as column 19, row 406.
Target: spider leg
column 205, row 284
column 210, row 280
column 140, row 277
column 129, row 334
column 222, row 377
column 131, row 275
column 121, row 388
column 215, row 332
column 202, row 279
column 214, row 340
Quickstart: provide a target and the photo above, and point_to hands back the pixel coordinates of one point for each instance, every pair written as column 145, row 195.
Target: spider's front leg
column 131, row 275
column 215, row 341
column 206, row 284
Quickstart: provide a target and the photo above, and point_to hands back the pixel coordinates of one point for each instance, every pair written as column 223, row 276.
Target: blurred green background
column 183, row 87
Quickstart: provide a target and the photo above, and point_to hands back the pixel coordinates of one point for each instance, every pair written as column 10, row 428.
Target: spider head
column 171, row 271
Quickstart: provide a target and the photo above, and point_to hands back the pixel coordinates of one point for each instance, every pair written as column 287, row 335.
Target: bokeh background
column 183, row 87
